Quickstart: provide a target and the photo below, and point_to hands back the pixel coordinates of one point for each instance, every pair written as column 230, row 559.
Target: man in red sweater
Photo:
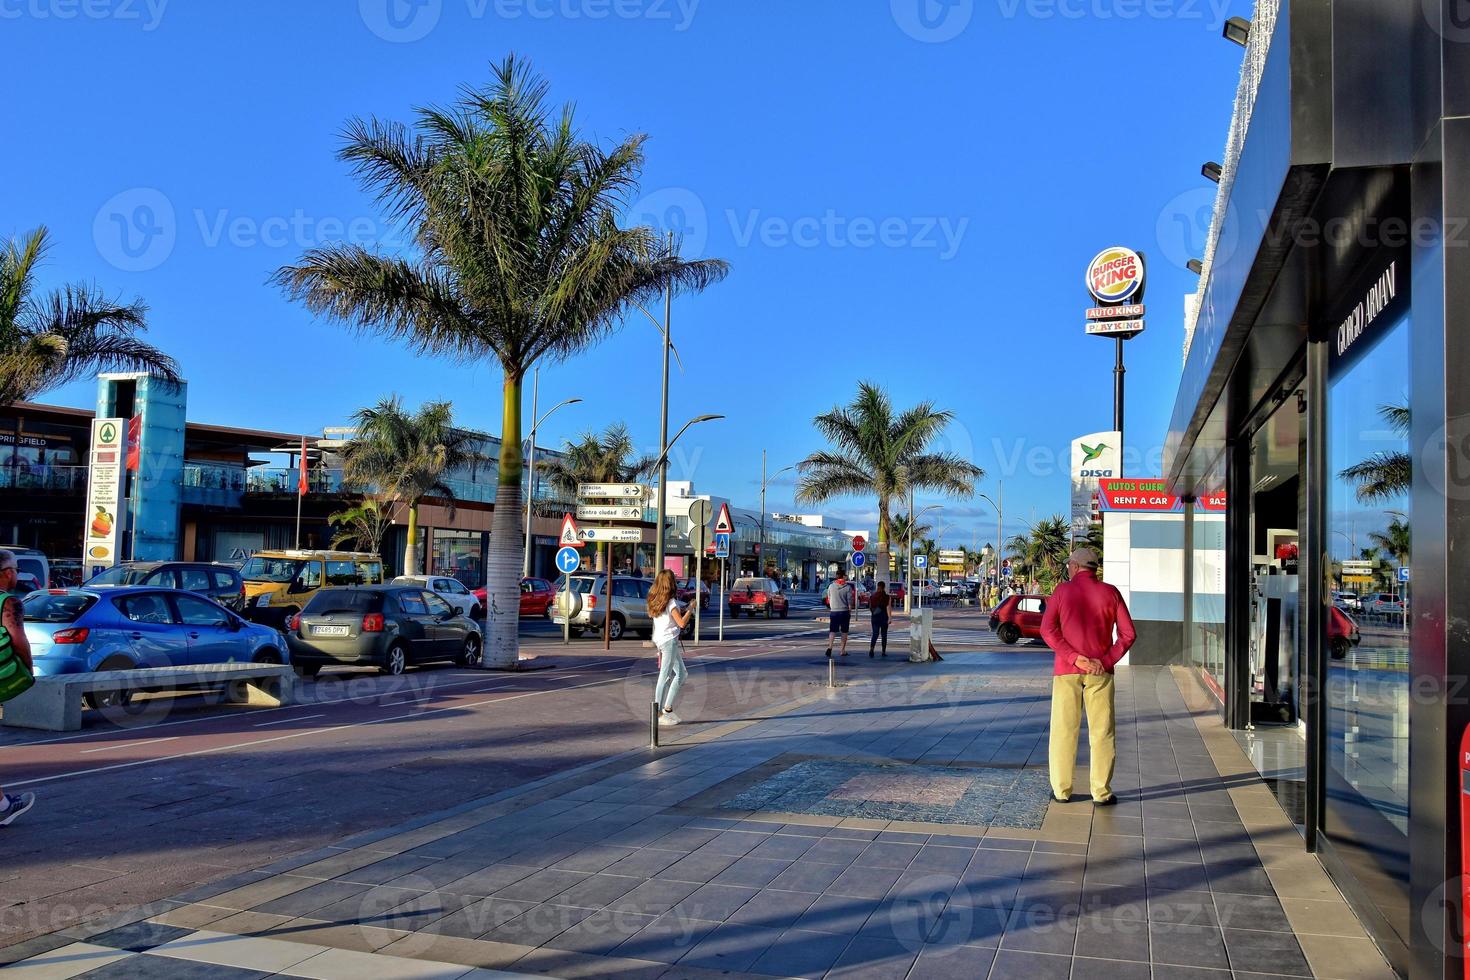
column 1087, row 625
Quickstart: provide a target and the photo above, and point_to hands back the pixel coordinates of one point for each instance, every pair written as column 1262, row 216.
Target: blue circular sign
column 568, row 560
column 859, row 559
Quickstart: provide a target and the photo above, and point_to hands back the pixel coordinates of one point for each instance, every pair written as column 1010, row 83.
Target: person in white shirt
column 669, row 618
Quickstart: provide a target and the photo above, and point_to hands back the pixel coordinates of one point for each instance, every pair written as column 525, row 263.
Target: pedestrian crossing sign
column 722, row 544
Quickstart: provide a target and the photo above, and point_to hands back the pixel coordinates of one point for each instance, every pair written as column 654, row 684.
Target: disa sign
column 1115, row 275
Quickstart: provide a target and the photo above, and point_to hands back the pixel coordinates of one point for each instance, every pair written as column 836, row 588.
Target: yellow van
column 279, row 584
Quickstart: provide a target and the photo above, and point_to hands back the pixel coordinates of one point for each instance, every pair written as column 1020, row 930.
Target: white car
column 451, row 590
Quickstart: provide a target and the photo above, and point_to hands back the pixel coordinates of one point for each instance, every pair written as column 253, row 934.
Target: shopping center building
column 1324, row 392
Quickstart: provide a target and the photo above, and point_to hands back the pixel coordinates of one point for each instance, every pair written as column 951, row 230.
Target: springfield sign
column 107, row 455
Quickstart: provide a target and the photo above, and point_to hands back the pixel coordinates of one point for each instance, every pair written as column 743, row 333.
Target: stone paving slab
column 668, row 867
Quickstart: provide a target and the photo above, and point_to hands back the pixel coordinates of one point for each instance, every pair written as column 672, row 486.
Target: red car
column 1342, row 633
column 686, row 592
column 758, row 596
column 1018, row 616
column 537, row 597
column 864, row 594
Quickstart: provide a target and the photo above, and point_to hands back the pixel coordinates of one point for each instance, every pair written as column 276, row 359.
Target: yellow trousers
column 1069, row 694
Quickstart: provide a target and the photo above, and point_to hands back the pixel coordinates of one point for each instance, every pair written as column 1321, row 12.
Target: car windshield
column 750, row 585
column 122, row 575
column 343, row 601
column 582, row 586
column 260, row 569
column 52, row 607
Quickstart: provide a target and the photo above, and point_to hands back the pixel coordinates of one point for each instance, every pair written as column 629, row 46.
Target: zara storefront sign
column 107, row 455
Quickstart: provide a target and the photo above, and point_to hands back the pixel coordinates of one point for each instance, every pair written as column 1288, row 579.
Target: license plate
column 329, row 631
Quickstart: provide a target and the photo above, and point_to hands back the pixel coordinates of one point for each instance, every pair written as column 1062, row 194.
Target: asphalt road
column 185, row 792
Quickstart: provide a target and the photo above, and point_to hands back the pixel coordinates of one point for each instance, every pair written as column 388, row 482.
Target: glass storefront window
column 1368, row 680
column 459, row 555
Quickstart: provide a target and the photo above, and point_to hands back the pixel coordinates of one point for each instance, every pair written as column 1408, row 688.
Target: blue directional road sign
column 1403, row 574
column 921, row 561
column 858, row 559
column 568, row 561
column 722, row 544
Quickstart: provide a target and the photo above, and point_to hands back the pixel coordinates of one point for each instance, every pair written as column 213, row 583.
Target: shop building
column 220, row 493
column 1323, row 392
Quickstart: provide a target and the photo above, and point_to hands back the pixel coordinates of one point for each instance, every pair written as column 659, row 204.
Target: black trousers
column 880, row 629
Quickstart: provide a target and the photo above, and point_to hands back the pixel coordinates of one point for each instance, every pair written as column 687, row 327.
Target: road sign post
column 699, row 512
column 859, row 559
column 921, row 562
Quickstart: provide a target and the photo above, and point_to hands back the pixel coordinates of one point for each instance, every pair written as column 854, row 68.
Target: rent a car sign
column 1138, row 495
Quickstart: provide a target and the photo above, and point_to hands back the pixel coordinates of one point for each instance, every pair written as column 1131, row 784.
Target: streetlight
column 664, row 444
column 531, row 464
column 765, row 481
column 1000, row 540
column 908, row 579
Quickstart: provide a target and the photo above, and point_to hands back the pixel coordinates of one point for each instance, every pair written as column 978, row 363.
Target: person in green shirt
column 13, row 642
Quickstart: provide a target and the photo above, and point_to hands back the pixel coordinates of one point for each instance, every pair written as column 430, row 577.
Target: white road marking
column 130, row 745
column 287, row 721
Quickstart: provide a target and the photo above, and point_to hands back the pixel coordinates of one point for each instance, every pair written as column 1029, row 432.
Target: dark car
column 1017, row 617
column 686, row 589
column 388, row 627
column 214, row 580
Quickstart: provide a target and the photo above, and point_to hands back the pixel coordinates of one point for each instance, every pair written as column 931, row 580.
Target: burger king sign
column 1115, row 275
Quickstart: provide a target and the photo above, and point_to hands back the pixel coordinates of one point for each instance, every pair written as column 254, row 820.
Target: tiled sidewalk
column 638, row 868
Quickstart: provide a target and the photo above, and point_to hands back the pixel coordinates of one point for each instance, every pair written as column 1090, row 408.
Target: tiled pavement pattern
column 984, row 796
column 632, row 870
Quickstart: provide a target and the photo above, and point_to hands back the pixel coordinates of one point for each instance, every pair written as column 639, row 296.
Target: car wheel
column 470, row 656
column 768, row 612
column 266, row 657
column 476, row 612
column 785, row 612
column 395, row 663
column 546, row 611
column 1009, row 633
column 575, row 633
column 1340, row 647
column 645, row 634
column 307, row 670
column 615, row 628
column 105, row 700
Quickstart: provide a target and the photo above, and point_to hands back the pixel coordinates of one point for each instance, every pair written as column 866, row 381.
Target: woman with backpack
column 878, row 605
column 669, row 618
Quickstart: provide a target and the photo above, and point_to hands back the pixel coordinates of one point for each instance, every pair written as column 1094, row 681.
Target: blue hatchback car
column 74, row 631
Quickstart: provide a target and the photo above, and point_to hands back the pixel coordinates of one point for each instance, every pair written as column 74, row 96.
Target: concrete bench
column 54, row 704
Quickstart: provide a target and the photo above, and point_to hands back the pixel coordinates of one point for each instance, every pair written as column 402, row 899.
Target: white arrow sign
column 613, row 535
column 615, row 491
column 608, row 512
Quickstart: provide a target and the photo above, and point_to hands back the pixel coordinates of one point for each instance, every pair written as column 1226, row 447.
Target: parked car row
column 586, row 606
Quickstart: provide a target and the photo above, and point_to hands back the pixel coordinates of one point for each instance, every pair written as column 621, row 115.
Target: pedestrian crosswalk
column 805, row 600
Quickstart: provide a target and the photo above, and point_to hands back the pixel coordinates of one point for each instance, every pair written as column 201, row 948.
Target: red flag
column 135, row 438
column 301, row 473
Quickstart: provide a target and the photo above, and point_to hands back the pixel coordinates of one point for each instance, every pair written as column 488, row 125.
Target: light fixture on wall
column 1195, row 266
column 1238, row 30
column 1211, row 170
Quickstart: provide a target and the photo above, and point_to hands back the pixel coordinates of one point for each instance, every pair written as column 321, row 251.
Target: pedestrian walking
column 669, row 619
column 1087, row 626
column 819, row 583
column 15, row 654
column 878, row 605
column 841, row 597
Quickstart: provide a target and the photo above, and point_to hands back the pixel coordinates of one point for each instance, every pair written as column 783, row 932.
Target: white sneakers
column 668, row 719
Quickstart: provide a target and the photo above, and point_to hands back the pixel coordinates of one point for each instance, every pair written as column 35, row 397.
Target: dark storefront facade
column 1324, row 392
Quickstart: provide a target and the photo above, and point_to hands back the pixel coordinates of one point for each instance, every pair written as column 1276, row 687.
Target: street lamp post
column 531, row 463
column 908, row 578
column 765, row 481
column 999, row 517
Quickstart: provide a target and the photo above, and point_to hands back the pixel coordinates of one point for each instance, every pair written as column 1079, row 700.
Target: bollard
column 831, row 673
column 653, row 726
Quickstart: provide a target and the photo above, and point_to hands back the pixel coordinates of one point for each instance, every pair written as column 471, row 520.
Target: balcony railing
column 44, row 478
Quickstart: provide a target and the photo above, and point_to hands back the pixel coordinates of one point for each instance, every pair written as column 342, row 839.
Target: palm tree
column 362, row 526
column 1041, row 552
column 518, row 256
column 403, row 457
column 606, row 458
column 875, row 451
column 1395, row 539
column 1387, row 474
column 51, row 340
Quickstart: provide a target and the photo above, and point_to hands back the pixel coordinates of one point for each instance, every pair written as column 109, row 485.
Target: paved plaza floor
column 895, row 827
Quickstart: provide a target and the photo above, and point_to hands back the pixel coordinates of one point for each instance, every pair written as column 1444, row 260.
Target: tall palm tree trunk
column 885, row 538
column 507, row 538
column 411, row 546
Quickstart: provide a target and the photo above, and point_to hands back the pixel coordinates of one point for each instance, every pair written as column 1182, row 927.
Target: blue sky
column 908, row 191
